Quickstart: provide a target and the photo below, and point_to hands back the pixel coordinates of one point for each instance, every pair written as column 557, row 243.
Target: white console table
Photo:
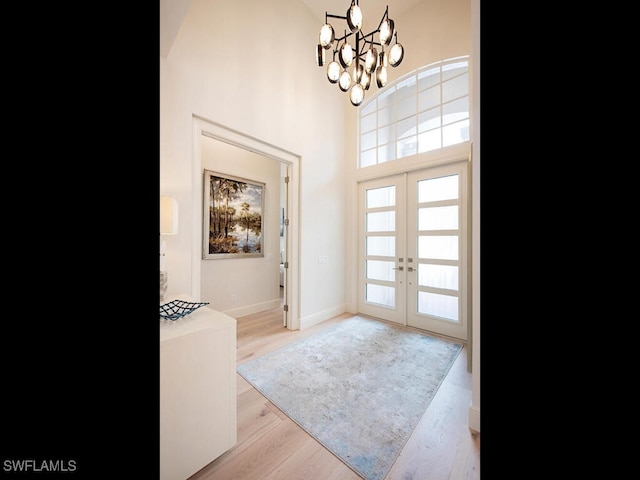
column 198, row 413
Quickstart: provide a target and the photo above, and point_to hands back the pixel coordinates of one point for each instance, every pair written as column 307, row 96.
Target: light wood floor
column 271, row 446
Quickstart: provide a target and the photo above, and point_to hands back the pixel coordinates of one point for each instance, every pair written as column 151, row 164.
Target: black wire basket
column 179, row 308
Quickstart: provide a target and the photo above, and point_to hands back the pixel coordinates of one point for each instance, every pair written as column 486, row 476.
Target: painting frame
column 233, row 213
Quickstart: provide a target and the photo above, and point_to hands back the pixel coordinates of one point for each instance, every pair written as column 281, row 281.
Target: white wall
column 236, row 285
column 247, row 66
column 474, row 410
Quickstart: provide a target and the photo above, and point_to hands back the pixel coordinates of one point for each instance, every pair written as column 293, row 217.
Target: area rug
column 359, row 387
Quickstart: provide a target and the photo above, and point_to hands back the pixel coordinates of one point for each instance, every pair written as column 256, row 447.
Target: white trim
column 443, row 156
column 202, row 126
column 322, row 316
column 255, row 308
column 474, row 418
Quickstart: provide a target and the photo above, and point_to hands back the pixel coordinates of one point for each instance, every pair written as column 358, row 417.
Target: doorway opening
column 290, row 162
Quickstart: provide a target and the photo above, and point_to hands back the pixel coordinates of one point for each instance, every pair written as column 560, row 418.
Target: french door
column 413, row 249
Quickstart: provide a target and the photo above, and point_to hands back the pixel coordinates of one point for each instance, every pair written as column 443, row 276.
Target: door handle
column 399, row 268
column 409, row 269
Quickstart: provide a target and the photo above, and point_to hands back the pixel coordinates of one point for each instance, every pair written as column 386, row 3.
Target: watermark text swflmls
column 31, row 465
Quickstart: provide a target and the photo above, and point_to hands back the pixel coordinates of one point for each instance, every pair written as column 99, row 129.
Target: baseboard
column 255, row 308
column 321, row 316
column 474, row 418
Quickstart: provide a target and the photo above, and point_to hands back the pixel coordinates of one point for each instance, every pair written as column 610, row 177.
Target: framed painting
column 232, row 223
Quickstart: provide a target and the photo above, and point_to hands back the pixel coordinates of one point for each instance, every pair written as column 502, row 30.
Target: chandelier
column 367, row 62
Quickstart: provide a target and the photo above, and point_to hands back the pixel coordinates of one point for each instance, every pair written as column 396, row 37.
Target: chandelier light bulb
column 345, row 80
column 327, row 36
column 354, row 18
column 357, row 94
column 381, row 76
column 365, row 80
column 396, row 55
column 333, row 72
column 386, row 31
column 345, row 55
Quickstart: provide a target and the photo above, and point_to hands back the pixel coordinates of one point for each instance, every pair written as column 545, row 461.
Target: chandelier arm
column 361, row 52
column 385, row 16
column 344, row 37
column 372, row 41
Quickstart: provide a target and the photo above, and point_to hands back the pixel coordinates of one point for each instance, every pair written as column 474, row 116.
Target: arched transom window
column 425, row 110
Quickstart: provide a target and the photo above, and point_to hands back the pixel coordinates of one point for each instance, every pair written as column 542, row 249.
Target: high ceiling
column 372, row 10
column 172, row 12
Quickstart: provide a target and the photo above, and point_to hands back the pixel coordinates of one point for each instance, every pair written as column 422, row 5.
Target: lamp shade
column 168, row 215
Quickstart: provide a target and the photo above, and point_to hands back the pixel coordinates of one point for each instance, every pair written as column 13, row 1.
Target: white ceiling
column 172, row 12
column 372, row 10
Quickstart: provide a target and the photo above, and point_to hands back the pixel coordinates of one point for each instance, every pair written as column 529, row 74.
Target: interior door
column 284, row 236
column 413, row 265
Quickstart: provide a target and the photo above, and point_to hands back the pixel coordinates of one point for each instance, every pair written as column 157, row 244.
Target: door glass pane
column 442, row 188
column 441, row 247
column 444, row 306
column 438, row 276
column 383, row 246
column 438, row 218
column 381, row 221
column 381, row 197
column 381, row 295
column 379, row 270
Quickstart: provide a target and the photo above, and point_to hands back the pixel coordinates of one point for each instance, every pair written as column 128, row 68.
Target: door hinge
column 286, row 264
column 286, row 179
column 286, row 222
column 286, row 308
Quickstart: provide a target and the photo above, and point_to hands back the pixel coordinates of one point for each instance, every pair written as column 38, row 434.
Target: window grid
column 423, row 111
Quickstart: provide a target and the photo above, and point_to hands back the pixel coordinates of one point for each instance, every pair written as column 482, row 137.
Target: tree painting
column 235, row 216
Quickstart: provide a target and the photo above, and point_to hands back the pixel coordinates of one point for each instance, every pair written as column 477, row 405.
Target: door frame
column 455, row 153
column 204, row 127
